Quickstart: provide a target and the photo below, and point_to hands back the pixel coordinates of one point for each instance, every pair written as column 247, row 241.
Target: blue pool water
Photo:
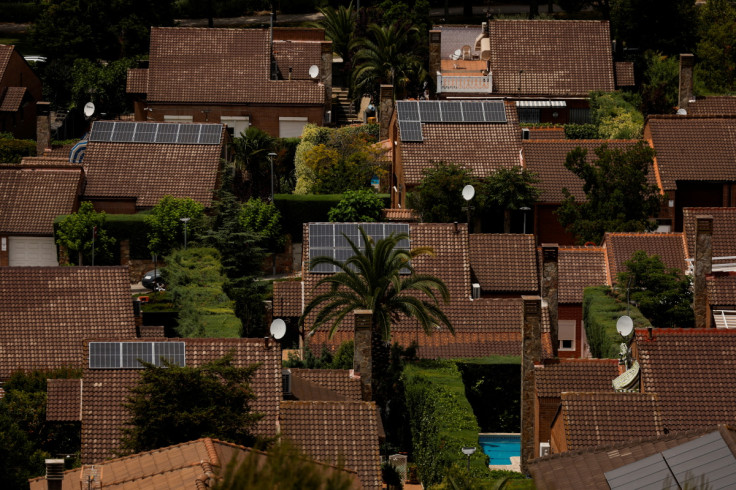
column 500, row 448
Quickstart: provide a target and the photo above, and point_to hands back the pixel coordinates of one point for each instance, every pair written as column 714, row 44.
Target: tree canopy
column 174, row 404
column 362, row 206
column 84, row 230
column 438, row 198
column 166, row 228
column 618, row 195
column 509, row 189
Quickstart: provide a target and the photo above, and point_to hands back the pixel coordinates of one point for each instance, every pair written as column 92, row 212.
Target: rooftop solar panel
column 145, row 133
column 429, row 111
column 122, row 132
column 101, row 131
column 188, row 134
column 452, row 112
column 167, row 133
column 408, row 110
column 211, row 134
column 495, row 111
column 173, row 352
column 410, row 131
column 133, row 351
column 127, row 355
column 473, row 112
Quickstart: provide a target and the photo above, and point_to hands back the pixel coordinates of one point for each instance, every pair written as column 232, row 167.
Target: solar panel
column 167, row 133
column 123, row 132
column 407, row 110
column 452, row 112
column 101, row 131
column 145, row 133
column 473, row 112
column 706, row 459
column 132, row 351
column 322, row 252
column 127, row 355
column 188, row 134
column 410, row 131
column 104, row 355
column 429, row 111
column 495, row 111
column 211, row 134
column 173, row 352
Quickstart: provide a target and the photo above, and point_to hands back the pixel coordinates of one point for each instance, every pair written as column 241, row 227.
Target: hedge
column 601, row 311
column 297, row 209
column 494, row 391
column 124, row 227
column 13, row 150
column 441, row 421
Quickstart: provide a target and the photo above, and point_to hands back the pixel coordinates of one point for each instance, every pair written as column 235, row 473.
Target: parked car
column 153, row 280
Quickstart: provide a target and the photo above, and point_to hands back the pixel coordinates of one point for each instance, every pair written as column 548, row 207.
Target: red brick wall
column 572, row 312
column 19, row 74
column 546, row 410
column 547, row 228
column 558, row 442
column 298, row 34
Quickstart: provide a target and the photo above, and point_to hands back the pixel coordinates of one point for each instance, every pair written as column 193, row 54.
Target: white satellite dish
column 682, row 112
column 625, row 325
column 314, row 71
column 89, row 109
column 278, row 328
column 468, row 192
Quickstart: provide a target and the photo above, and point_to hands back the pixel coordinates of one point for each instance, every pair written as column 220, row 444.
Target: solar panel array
column 329, row 240
column 412, row 113
column 127, row 355
column 145, row 132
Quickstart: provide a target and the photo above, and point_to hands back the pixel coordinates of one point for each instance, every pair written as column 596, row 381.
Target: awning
column 540, row 104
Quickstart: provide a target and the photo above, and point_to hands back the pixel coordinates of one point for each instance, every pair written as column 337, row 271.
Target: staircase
column 343, row 110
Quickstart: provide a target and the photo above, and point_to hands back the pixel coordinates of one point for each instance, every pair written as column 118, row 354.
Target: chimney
column 325, row 72
column 531, row 353
column 54, row 473
column 43, row 128
column 687, row 62
column 550, row 284
column 435, row 54
column 385, row 109
column 703, row 267
column 363, row 355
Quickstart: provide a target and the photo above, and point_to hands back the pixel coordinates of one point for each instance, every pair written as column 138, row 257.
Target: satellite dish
column 625, row 325
column 681, row 112
column 278, row 328
column 89, row 109
column 468, row 192
column 314, row 71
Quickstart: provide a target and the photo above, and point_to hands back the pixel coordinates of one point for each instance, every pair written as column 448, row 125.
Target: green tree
column 387, row 55
column 619, row 196
column 716, row 49
column 438, row 199
column 380, row 278
column 661, row 25
column 662, row 295
column 252, row 167
column 166, row 228
column 362, row 206
column 339, row 26
column 103, row 84
column 77, row 232
column 509, row 189
column 615, row 116
column 174, row 404
column 285, row 468
column 264, row 220
column 659, row 90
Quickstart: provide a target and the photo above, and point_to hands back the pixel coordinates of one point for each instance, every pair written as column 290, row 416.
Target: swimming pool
column 500, row 447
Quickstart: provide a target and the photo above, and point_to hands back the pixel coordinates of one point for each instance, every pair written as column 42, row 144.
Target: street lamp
column 270, row 159
column 525, row 209
column 185, row 221
column 468, row 193
column 469, row 451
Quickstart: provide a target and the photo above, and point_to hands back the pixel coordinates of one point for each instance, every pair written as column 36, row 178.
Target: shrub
column 263, row 219
column 363, row 205
column 13, row 150
column 166, row 230
column 601, row 311
column 581, row 131
column 85, row 232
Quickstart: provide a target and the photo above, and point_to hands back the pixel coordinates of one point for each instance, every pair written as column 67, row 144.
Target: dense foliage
column 716, row 51
column 601, row 311
column 166, row 228
column 438, row 198
column 618, row 194
column 13, row 150
column 616, row 115
column 508, row 189
column 493, row 390
column 84, row 232
column 362, row 206
column 252, row 163
column 174, row 404
column 103, row 84
column 663, row 295
column 262, row 219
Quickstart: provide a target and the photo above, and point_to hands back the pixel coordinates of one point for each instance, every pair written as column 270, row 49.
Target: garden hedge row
column 297, row 209
column 124, row 227
column 601, row 311
column 13, row 150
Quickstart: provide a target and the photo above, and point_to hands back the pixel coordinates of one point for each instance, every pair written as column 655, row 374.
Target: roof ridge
column 210, row 447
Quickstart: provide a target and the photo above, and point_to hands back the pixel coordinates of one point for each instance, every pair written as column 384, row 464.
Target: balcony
column 468, row 84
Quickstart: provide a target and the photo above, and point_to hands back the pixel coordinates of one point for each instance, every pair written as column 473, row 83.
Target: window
column 177, row 118
column 580, row 116
column 291, row 127
column 528, row 116
column 238, row 124
column 566, row 334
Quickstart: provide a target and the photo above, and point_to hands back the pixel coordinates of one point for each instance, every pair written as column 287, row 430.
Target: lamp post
column 525, row 209
column 468, row 193
column 469, row 451
column 185, row 221
column 270, row 159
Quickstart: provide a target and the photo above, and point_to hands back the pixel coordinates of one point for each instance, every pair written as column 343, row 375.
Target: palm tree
column 380, row 278
column 251, row 150
column 387, row 55
column 339, row 26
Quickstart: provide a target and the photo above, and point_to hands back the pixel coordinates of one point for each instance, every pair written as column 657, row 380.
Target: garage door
column 35, row 251
column 291, row 127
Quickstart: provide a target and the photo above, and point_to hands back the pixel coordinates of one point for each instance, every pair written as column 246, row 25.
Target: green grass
column 490, row 360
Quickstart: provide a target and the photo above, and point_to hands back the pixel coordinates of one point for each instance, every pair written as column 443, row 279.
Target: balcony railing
column 480, row 84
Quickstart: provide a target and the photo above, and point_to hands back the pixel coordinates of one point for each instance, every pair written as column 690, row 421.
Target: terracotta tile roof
column 137, row 82
column 197, row 65
column 504, row 262
column 331, row 432
column 6, row 52
column 625, row 74
column 575, row 375
column 713, row 106
column 298, row 34
column 337, row 380
column 400, row 214
column 189, row 465
column 692, row 372
column 152, row 331
column 148, row 172
column 620, row 247
column 721, row 289
column 287, row 298
column 64, row 400
column 559, row 58
column 103, row 414
column 298, row 56
column 546, row 133
column 62, row 151
column 12, row 99
column 724, row 229
column 586, row 468
column 30, row 198
column 693, row 148
column 546, row 158
column 481, row 148
column 48, row 161
column 48, row 311
column 579, row 268
column 595, row 419
column 304, row 390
